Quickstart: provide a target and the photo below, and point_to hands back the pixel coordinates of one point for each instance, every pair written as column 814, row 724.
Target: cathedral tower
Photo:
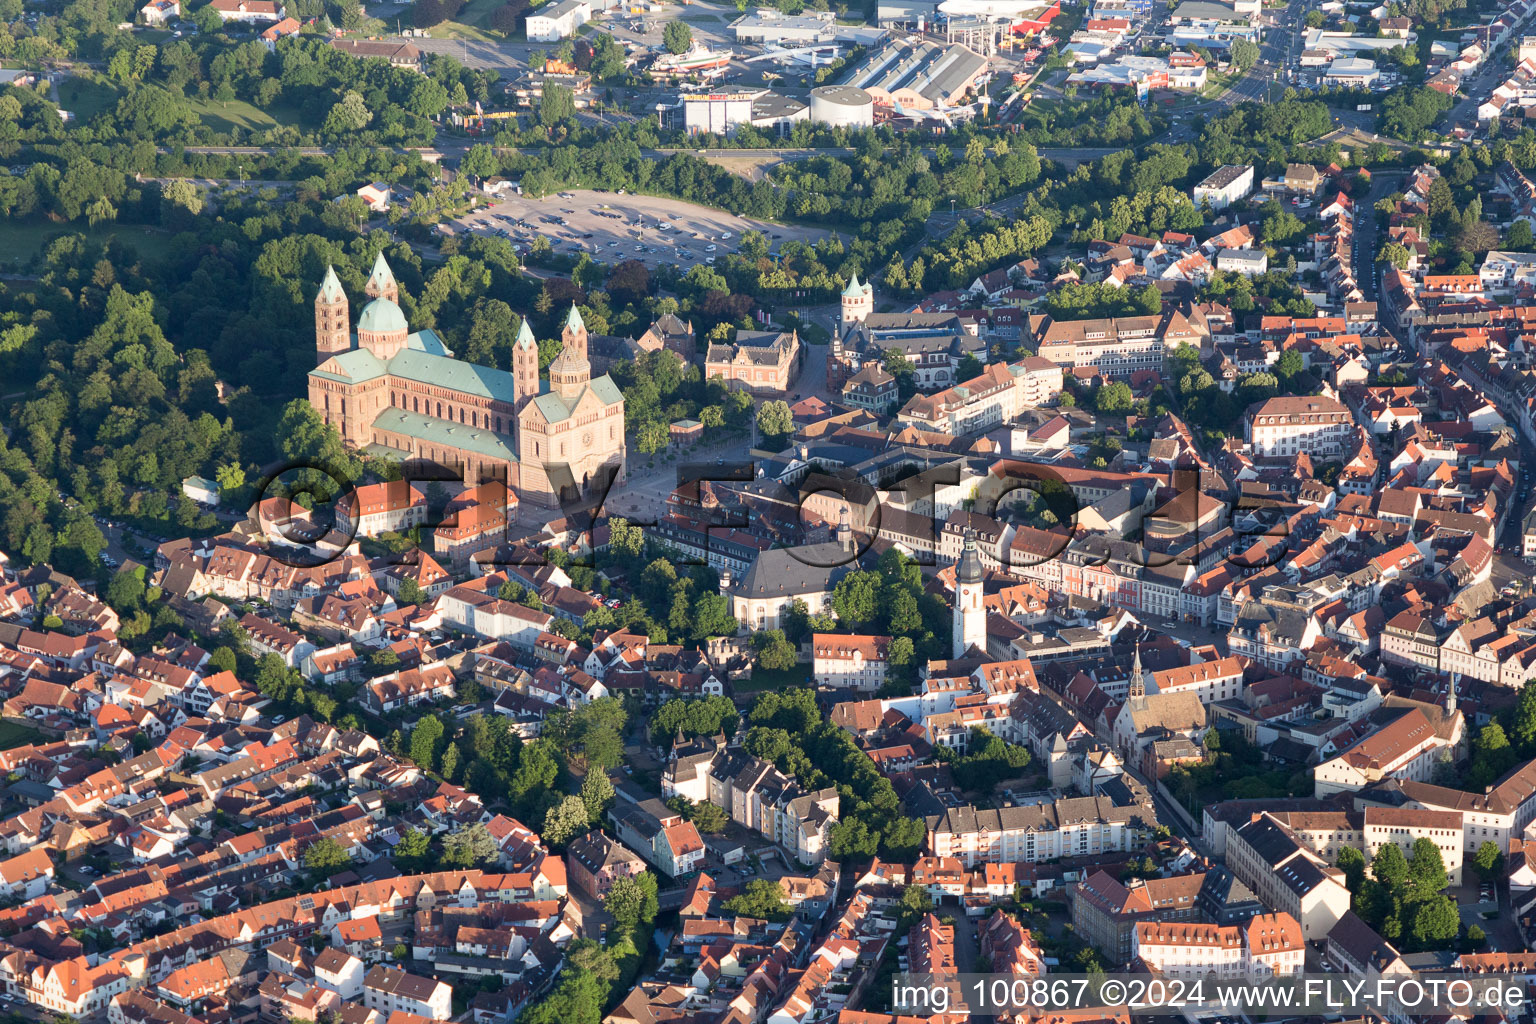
column 525, row 365
column 333, row 332
column 381, row 282
column 570, row 373
column 970, row 616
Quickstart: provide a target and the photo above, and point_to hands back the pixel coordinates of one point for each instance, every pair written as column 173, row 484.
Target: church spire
column 333, row 328
column 1138, row 686
column 330, row 287
column 525, row 365
column 381, row 282
column 571, row 372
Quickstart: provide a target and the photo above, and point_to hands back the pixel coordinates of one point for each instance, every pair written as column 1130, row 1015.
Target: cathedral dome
column 382, row 317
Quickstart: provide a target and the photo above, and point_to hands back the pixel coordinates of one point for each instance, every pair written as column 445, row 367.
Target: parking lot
column 613, row 226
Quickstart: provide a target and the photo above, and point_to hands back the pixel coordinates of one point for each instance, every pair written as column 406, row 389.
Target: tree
column 774, row 652
column 100, row 210
column 182, row 193
column 1435, row 923
column 325, row 857
column 1352, row 862
column 1426, row 868
column 712, row 617
column 351, row 114
column 1489, row 861
column 709, row 818
column 411, row 851
column 480, row 161
column 652, row 437
column 677, row 37
column 596, row 793
column 1394, row 253
column 565, row 821
column 469, row 847
column 410, row 592
column 1523, row 727
column 589, row 957
column 1390, row 867
column 762, row 899
column 126, row 591
column 1518, row 237
column 632, row 901
column 1280, row 225
column 1478, row 237
column 915, row 902
column 775, row 422
column 1114, row 399
column 424, row 740
column 856, row 598
column 556, row 104
column 1245, row 53
column 508, row 17
column 448, row 766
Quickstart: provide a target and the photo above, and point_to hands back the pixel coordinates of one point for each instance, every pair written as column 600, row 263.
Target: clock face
column 586, row 439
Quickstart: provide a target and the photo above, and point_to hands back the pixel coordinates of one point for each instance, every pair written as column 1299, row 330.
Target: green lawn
column 21, row 240
column 226, row 117
column 459, row 30
column 476, row 11
column 85, row 99
column 14, row 734
column 765, row 679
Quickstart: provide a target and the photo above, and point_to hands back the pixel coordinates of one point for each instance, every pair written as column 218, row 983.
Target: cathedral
column 400, row 393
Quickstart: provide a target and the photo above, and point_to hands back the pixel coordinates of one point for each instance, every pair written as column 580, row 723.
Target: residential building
column 1105, row 912
column 1282, row 427
column 249, row 11
column 845, row 661
column 1224, row 186
column 1070, row 826
column 1117, row 346
column 388, row 989
column 557, row 21
column 1287, row 876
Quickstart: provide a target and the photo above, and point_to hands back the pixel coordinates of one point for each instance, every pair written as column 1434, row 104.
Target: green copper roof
column 382, row 276
column 525, row 338
column 357, row 365
column 330, row 288
column 382, row 317
column 854, row 289
column 426, row 340
column 449, row 435
column 573, row 319
column 454, row 374
column 554, row 408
